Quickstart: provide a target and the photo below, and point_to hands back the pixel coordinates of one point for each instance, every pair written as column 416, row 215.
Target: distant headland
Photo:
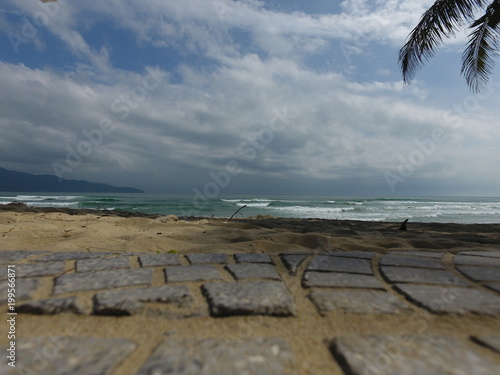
column 11, row 181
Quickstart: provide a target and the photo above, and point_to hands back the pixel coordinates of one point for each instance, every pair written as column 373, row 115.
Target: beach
column 309, row 328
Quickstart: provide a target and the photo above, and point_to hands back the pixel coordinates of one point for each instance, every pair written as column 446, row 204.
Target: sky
column 219, row 97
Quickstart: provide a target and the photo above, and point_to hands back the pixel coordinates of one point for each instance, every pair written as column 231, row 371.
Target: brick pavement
column 218, row 286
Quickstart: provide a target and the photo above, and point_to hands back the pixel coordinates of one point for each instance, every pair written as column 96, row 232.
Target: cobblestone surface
column 12, row 256
column 340, row 280
column 253, row 258
column 68, row 355
column 25, row 288
column 86, row 265
column 192, row 273
column 207, row 258
column 452, row 299
column 419, row 275
column 425, row 254
column 101, row 280
column 358, row 302
column 253, row 271
column 470, row 260
column 410, row 355
column 215, row 357
column 280, row 288
column 159, row 260
column 408, row 261
column 131, row 301
column 40, row 269
column 352, row 254
column 340, row 264
column 252, row 297
column 481, row 273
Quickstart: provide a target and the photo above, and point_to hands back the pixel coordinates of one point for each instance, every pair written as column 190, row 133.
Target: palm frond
column 440, row 21
column 477, row 59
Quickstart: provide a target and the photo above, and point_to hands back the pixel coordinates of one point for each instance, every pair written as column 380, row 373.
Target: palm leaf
column 477, row 59
column 440, row 21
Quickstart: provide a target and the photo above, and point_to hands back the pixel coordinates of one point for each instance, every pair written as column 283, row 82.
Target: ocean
column 430, row 209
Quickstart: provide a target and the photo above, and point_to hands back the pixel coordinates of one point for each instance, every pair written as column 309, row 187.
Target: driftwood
column 238, row 210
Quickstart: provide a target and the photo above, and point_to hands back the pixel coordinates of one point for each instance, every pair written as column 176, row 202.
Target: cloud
column 241, row 89
column 336, row 130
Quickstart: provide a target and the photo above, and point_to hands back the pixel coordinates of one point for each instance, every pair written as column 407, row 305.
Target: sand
column 51, row 230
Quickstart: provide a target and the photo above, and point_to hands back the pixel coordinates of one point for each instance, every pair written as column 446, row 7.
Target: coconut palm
column 441, row 21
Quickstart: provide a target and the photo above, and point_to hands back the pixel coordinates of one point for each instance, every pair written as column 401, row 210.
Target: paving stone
column 152, row 260
column 470, row 260
column 253, row 258
column 285, row 253
column 339, row 264
column 495, row 287
column 73, row 255
column 256, row 356
column 203, row 258
column 131, row 301
column 55, row 355
column 253, row 271
column 452, row 300
column 51, row 306
column 102, row 280
column 351, row 254
column 492, row 254
column 357, row 302
column 408, row 261
column 37, row 269
column 425, row 254
column 86, row 265
column 250, row 297
column 420, row 275
column 481, row 273
column 292, row 262
column 409, row 355
column 493, row 342
column 16, row 255
column 340, row 280
column 25, row 289
column 192, row 273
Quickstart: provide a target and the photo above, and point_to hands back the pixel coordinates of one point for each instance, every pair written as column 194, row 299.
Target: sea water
column 428, row 209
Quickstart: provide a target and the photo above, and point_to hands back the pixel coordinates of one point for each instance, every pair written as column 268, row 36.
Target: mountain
column 25, row 182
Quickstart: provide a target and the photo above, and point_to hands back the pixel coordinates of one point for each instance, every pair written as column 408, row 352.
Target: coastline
column 308, row 335
column 53, row 228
